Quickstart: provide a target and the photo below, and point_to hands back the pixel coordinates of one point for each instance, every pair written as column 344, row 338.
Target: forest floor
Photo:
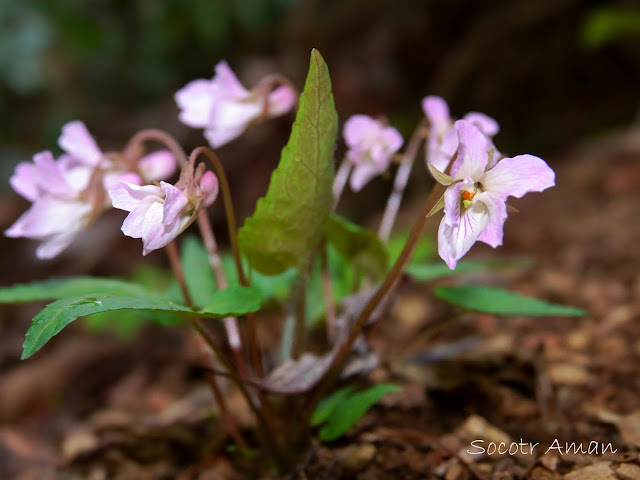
column 90, row 407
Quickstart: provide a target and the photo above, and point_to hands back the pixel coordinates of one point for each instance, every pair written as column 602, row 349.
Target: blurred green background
column 552, row 72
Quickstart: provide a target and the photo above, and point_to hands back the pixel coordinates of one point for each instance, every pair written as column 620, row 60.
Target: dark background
column 552, row 72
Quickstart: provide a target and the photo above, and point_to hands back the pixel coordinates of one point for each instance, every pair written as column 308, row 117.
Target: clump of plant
column 293, row 249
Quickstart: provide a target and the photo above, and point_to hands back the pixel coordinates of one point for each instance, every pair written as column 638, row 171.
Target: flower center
column 467, row 197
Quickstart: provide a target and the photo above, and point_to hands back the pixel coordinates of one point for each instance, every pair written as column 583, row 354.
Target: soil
column 90, row 407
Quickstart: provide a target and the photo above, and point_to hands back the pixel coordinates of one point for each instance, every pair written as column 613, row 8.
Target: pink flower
column 371, row 146
column 160, row 213
column 225, row 108
column 68, row 194
column 443, row 139
column 59, row 210
column 475, row 201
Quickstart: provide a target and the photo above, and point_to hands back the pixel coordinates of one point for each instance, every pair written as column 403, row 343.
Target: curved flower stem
column 230, row 323
column 206, row 354
column 159, row 136
column 270, row 83
column 400, row 182
column 340, row 180
column 228, row 206
column 252, row 336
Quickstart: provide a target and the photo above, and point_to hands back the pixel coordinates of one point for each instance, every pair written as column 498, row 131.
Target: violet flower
column 159, row 213
column 371, row 146
column 60, row 209
column 443, row 139
column 475, row 201
column 225, row 108
column 69, row 193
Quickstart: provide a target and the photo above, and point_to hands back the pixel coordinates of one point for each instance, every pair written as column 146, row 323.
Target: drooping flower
column 371, row 146
column 60, row 209
column 475, row 201
column 225, row 108
column 159, row 213
column 70, row 192
column 443, row 139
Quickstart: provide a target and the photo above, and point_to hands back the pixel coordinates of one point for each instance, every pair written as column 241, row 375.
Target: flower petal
column 174, row 204
column 456, row 240
column 49, row 177
column 23, row 180
column 134, row 225
column 437, row 112
column 281, row 100
column 77, row 141
column 359, row 127
column 361, row 175
column 209, row 186
column 228, row 84
column 485, row 123
column 440, row 150
column 50, row 215
column 517, row 176
column 472, row 152
column 195, row 101
column 127, row 196
column 219, row 135
column 54, row 245
column 158, row 165
column 497, row 211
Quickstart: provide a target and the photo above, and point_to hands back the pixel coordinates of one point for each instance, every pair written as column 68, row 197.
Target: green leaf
column 351, row 409
column 609, row 24
column 55, row 316
column 288, row 222
column 233, row 301
column 358, row 245
column 501, row 302
column 69, row 287
column 201, row 281
column 276, row 287
column 329, row 404
column 430, row 271
column 425, row 250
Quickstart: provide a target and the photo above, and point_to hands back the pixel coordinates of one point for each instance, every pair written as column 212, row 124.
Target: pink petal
column 77, row 141
column 174, row 204
column 111, row 179
column 359, row 127
column 209, row 186
column 361, row 175
column 49, row 177
column 54, row 245
column 472, row 152
column 134, row 225
column 48, row 216
column 485, row 123
column 497, row 211
column 456, row 240
column 452, row 201
column 195, row 101
column 517, row 176
column 437, row 112
column 220, row 135
column 227, row 82
column 440, row 151
column 392, row 138
column 127, row 196
column 158, row 165
column 23, row 180
column 281, row 100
